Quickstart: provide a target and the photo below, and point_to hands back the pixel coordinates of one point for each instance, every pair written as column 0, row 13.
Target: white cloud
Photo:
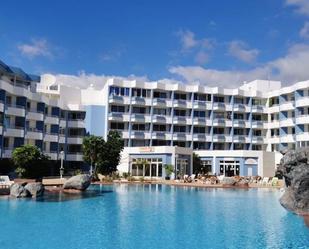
column 37, row 47
column 201, row 57
column 84, row 80
column 240, row 50
column 187, row 39
column 290, row 68
column 304, row 32
column 302, row 6
column 112, row 55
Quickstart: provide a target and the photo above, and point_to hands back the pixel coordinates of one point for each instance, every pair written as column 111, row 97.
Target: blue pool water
column 152, row 216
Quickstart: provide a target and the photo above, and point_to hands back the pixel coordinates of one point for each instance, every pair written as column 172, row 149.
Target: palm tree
column 143, row 162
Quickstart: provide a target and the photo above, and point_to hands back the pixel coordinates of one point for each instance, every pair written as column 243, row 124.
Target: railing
column 35, row 110
column 15, row 106
column 52, row 116
column 51, row 133
column 33, row 129
column 11, row 126
column 180, row 102
column 159, row 101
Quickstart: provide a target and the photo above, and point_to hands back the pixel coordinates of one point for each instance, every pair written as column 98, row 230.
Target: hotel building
column 234, row 131
column 31, row 114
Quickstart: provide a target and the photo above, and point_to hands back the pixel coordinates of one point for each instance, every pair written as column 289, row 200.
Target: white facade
column 45, row 115
column 241, row 126
column 258, row 117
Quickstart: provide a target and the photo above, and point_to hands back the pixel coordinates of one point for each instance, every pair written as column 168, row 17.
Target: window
column 147, row 167
column 229, row 168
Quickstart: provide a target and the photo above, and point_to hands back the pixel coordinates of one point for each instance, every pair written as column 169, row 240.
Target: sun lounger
column 5, row 180
column 265, row 180
column 275, row 181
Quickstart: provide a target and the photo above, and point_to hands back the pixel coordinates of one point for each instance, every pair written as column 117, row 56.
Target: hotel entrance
column 229, row 168
column 147, row 167
column 182, row 168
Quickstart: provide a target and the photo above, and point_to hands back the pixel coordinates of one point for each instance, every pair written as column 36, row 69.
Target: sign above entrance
column 146, row 149
column 251, row 161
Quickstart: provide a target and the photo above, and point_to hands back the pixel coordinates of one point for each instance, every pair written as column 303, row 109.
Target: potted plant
column 169, row 169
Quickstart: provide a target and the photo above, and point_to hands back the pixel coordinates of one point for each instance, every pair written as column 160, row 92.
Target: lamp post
column 61, row 165
column 176, row 169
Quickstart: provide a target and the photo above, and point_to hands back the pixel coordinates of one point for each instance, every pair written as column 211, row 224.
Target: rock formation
column 78, row 182
column 18, row 190
column 294, row 167
column 34, row 189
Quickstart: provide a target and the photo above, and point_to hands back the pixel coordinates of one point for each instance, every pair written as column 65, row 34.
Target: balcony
column 303, row 136
column 199, row 137
column 76, row 123
column 34, row 133
column 33, row 114
column 257, row 139
column 287, row 105
column 74, row 156
column 15, row 110
column 199, row 121
column 287, row 138
column 75, row 139
column 158, row 119
column 257, row 109
column 258, row 124
column 138, row 134
column 137, row 117
column 239, row 123
column 201, row 105
column 239, row 138
column 158, row 135
column 218, row 138
column 219, row 122
column 179, row 120
column 14, row 131
column 180, row 103
column 138, row 101
column 49, row 119
column 302, row 119
column 7, row 152
column 218, row 106
column 50, row 137
column 51, row 154
column 180, row 136
column 159, row 102
column 114, row 99
column 114, row 116
column 287, row 122
column 61, row 138
column 239, row 108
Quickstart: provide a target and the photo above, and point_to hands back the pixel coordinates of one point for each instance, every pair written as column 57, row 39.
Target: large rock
column 36, row 189
column 79, row 182
column 230, row 181
column 294, row 167
column 18, row 190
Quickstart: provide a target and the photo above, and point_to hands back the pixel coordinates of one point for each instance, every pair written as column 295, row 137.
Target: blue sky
column 215, row 42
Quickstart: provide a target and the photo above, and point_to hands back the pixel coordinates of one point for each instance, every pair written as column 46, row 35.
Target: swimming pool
column 152, row 216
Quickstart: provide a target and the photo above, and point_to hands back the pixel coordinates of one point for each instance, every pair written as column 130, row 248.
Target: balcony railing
column 15, row 106
column 158, row 101
column 34, row 129
column 11, row 126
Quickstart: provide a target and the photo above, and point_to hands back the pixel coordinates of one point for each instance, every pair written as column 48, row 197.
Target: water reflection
column 60, row 196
